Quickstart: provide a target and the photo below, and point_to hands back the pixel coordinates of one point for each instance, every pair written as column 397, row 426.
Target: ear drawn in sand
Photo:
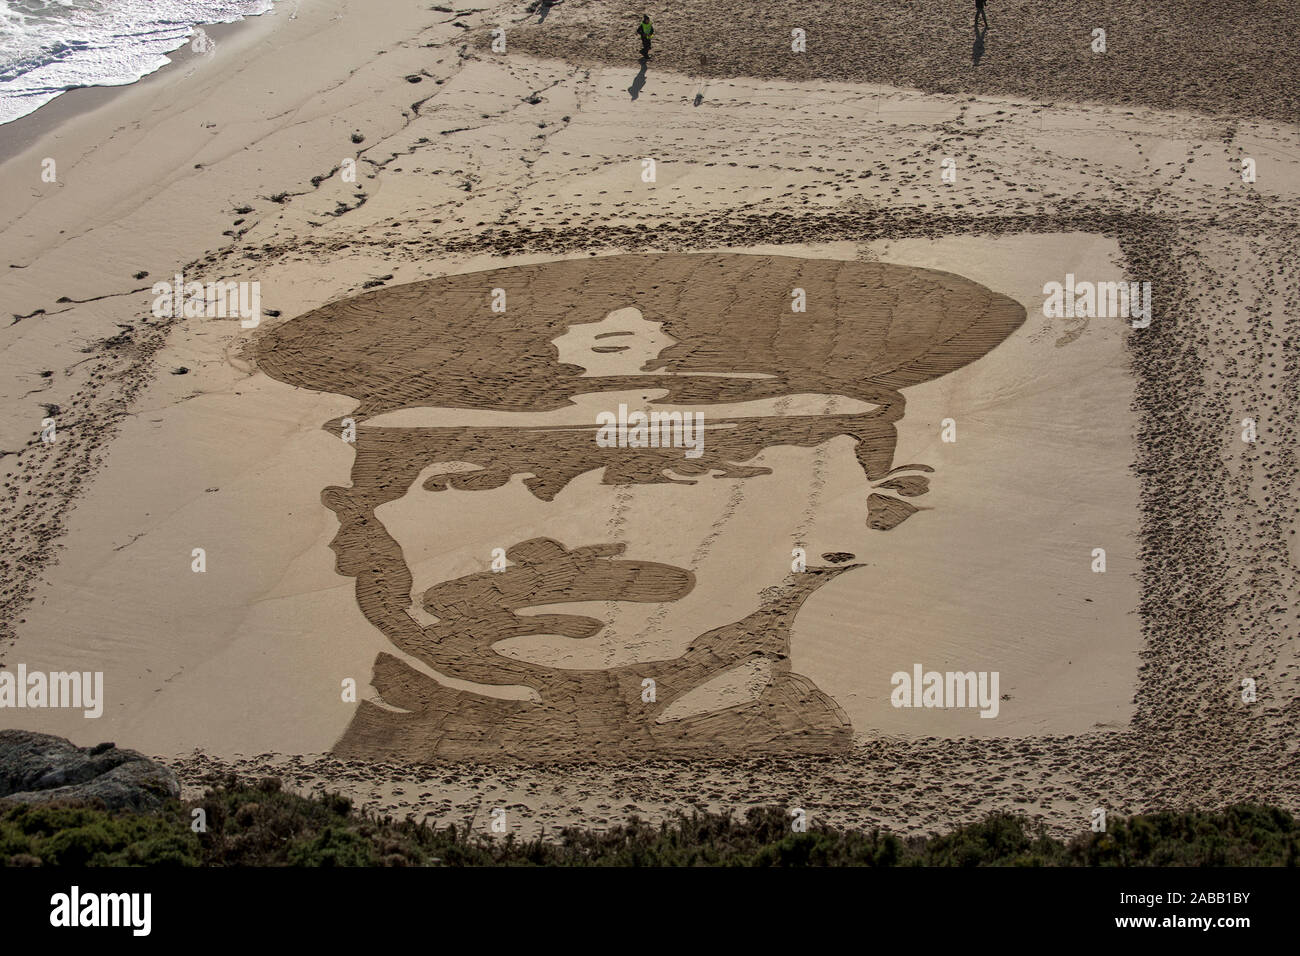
column 479, row 401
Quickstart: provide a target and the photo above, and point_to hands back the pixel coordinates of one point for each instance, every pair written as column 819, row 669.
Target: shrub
column 264, row 825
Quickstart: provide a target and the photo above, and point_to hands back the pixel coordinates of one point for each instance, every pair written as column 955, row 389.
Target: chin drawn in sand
column 474, row 424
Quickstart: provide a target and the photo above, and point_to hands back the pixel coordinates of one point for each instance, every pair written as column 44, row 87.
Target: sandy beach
column 418, row 578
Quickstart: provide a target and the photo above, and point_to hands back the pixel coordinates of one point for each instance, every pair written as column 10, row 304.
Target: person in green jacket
column 645, row 31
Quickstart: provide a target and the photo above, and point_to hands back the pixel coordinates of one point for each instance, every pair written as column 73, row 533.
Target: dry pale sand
column 1119, row 689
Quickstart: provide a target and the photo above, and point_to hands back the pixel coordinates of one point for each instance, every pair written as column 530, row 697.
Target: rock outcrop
column 38, row 768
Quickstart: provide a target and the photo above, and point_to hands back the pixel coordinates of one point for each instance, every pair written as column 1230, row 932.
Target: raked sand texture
column 1205, row 55
column 372, row 560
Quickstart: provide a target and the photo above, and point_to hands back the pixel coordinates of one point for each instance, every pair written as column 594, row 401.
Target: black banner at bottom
column 330, row 906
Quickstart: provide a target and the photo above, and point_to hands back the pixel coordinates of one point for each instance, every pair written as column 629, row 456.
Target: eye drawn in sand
column 624, row 564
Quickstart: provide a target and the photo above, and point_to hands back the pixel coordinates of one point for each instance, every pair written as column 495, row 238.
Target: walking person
column 980, row 14
column 645, row 31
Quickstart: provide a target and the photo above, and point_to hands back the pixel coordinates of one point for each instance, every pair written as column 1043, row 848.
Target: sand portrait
column 569, row 433
column 583, row 640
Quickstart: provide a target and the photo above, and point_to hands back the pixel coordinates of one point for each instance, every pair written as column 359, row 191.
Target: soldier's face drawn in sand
column 688, row 503
column 660, row 555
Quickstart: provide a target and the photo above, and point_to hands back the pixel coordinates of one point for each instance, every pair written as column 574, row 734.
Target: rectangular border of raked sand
column 1189, row 743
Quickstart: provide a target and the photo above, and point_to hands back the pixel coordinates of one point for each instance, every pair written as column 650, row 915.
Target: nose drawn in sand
column 623, row 564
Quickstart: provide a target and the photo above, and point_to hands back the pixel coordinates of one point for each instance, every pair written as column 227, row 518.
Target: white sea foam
column 50, row 46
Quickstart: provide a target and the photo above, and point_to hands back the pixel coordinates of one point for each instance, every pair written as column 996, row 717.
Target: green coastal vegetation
column 262, row 824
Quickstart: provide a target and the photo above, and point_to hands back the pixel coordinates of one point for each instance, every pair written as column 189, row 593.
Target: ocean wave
column 48, row 47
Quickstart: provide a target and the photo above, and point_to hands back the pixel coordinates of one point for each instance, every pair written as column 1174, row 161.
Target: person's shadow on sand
column 544, row 6
column 977, row 50
column 639, row 82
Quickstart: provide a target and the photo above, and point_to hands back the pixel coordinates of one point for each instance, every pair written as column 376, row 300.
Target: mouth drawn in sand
column 459, row 405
